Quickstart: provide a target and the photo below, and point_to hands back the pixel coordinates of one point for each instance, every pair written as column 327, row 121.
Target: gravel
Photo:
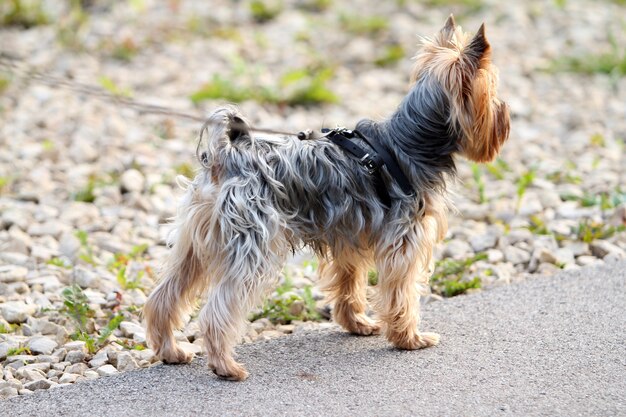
column 87, row 186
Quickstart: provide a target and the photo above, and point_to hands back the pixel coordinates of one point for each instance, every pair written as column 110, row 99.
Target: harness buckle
column 369, row 164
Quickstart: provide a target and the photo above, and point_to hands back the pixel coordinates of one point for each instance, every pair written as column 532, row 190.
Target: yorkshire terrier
column 258, row 198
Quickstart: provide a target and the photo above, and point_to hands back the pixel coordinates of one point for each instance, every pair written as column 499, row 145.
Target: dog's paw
column 363, row 326
column 417, row 341
column 175, row 356
column 232, row 372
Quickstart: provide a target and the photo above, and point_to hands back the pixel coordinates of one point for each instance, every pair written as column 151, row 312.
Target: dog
column 258, row 198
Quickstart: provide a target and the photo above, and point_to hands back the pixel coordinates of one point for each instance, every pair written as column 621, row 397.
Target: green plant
column 8, row 329
column 4, row 83
column 448, row 276
column 185, row 169
column 76, row 308
column 263, row 12
column 72, row 26
column 612, row 62
column 4, row 183
column 523, row 182
column 110, row 86
column 286, row 305
column 391, row 54
column 588, row 231
column 223, row 88
column 86, row 254
column 498, row 168
column 86, row 194
column 597, row 140
column 59, row 262
column 119, row 266
column 372, row 277
column 364, row 25
column 305, row 88
column 537, row 226
column 18, row 351
column 477, row 174
column 125, row 50
column 315, row 5
column 24, row 13
column 470, row 5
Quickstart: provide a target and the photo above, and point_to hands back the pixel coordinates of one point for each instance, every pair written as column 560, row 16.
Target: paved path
column 550, row 346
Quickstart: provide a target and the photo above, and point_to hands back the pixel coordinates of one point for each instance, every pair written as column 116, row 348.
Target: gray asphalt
column 550, row 346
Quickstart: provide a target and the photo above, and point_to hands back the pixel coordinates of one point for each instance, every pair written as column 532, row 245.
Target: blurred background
column 87, row 184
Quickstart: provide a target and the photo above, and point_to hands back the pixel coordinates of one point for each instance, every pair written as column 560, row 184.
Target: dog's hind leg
column 184, row 276
column 403, row 262
column 344, row 278
column 252, row 249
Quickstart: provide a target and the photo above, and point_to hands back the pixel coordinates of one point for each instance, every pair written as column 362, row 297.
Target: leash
column 372, row 159
column 16, row 67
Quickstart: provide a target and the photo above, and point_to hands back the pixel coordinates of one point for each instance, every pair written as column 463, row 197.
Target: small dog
column 258, row 198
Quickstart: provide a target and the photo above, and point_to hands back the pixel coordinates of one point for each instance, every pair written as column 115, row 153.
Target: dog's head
column 461, row 65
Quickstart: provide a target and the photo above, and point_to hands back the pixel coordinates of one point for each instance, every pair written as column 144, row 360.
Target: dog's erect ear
column 478, row 46
column 450, row 24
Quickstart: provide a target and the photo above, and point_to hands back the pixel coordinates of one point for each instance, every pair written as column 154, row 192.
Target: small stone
column 286, row 328
column 601, row 248
column 516, row 255
column 17, row 311
column 494, row 256
column 457, row 249
column 107, row 370
column 30, row 374
column 125, row 362
column 75, row 356
column 39, row 384
column 77, row 368
column 8, row 392
column 76, row 345
column 270, row 334
column 42, row 345
column 585, row 260
column 100, row 359
column 25, row 391
column 90, row 374
column 84, row 277
column 12, row 273
column 483, row 242
column 129, row 329
column 132, row 181
column 68, row 378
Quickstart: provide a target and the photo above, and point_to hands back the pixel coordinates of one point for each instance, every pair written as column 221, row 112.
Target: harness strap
column 372, row 160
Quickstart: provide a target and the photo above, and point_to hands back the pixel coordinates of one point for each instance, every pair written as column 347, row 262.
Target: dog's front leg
column 403, row 272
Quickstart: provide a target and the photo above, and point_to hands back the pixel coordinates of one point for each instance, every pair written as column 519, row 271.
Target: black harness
column 371, row 156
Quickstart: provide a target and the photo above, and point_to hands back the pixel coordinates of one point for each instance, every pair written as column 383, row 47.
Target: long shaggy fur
column 257, row 198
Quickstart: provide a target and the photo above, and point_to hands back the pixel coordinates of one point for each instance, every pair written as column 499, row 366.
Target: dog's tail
column 224, row 126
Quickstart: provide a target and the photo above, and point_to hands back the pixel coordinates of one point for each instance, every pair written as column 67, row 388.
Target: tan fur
column 463, row 65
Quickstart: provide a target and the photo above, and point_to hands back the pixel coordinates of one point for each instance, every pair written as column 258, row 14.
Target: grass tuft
column 24, row 13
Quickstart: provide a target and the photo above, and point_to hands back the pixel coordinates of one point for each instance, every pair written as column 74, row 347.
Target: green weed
column 76, row 308
column 71, row 27
column 263, row 12
column 315, row 5
column 24, row 13
column 4, row 83
column 612, row 62
column 86, row 253
column 10, row 329
column 391, row 55
column 523, row 182
column 597, row 140
column 286, row 305
column 111, row 87
column 537, row 226
column 119, row 266
column 477, row 174
column 185, row 169
column 18, row 351
column 470, row 5
column 589, row 231
column 372, row 277
column 498, row 168
column 59, row 262
column 305, row 88
column 86, row 194
column 448, row 276
column 364, row 25
column 5, row 182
